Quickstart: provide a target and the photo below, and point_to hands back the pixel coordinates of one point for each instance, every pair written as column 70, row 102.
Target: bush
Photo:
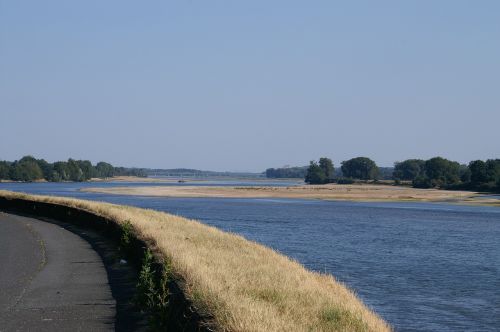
column 345, row 181
column 422, row 182
column 152, row 293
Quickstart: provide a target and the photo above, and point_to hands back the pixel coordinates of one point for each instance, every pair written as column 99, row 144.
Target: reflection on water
column 422, row 266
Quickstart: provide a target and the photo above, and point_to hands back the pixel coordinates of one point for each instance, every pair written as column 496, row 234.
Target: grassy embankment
column 245, row 286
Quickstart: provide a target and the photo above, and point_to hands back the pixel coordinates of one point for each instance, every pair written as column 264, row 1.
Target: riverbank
column 243, row 285
column 110, row 179
column 353, row 192
column 131, row 179
column 137, row 179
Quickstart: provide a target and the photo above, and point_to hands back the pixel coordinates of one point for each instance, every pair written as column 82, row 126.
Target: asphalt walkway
column 52, row 279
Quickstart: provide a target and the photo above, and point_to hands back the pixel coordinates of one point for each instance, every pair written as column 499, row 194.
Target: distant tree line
column 196, row 173
column 439, row 172
column 436, row 172
column 287, row 172
column 360, row 168
column 356, row 168
column 29, row 169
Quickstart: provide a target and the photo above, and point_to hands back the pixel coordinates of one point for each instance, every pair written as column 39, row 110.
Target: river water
column 421, row 266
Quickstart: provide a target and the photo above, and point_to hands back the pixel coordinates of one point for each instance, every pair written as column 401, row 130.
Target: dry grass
column 244, row 285
column 354, row 192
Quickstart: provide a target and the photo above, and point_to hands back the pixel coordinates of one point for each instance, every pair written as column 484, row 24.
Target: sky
column 247, row 85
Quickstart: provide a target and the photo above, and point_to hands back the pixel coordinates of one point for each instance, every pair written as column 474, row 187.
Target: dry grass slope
column 244, row 285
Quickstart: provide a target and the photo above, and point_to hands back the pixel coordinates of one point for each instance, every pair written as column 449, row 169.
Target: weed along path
column 52, row 279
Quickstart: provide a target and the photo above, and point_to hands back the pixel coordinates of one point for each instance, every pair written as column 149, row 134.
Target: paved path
column 52, row 280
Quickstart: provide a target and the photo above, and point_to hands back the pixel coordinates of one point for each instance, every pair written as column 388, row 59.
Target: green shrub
column 422, row 182
column 345, row 181
column 152, row 292
column 126, row 238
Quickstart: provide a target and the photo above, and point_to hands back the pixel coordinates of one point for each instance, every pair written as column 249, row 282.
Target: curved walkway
column 53, row 280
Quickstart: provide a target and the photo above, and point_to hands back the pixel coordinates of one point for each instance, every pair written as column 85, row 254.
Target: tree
column 441, row 171
column 465, row 174
column 55, row 176
column 492, row 170
column 421, row 181
column 29, row 168
column 26, row 169
column 315, row 174
column 61, row 172
column 74, row 172
column 4, row 170
column 286, row 172
column 104, row 170
column 326, row 165
column 360, row 168
column 87, row 169
column 47, row 169
column 409, row 169
column 485, row 175
column 478, row 172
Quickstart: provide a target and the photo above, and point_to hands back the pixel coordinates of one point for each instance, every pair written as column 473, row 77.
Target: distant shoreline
column 354, row 192
column 124, row 178
column 130, row 179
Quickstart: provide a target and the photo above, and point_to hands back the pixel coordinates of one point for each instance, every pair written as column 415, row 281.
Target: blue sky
column 246, row 85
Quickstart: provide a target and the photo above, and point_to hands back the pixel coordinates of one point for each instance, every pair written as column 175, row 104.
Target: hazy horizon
column 230, row 86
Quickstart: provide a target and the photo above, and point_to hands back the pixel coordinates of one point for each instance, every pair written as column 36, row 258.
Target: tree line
column 323, row 171
column 439, row 172
column 30, row 169
column 436, row 172
column 287, row 172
